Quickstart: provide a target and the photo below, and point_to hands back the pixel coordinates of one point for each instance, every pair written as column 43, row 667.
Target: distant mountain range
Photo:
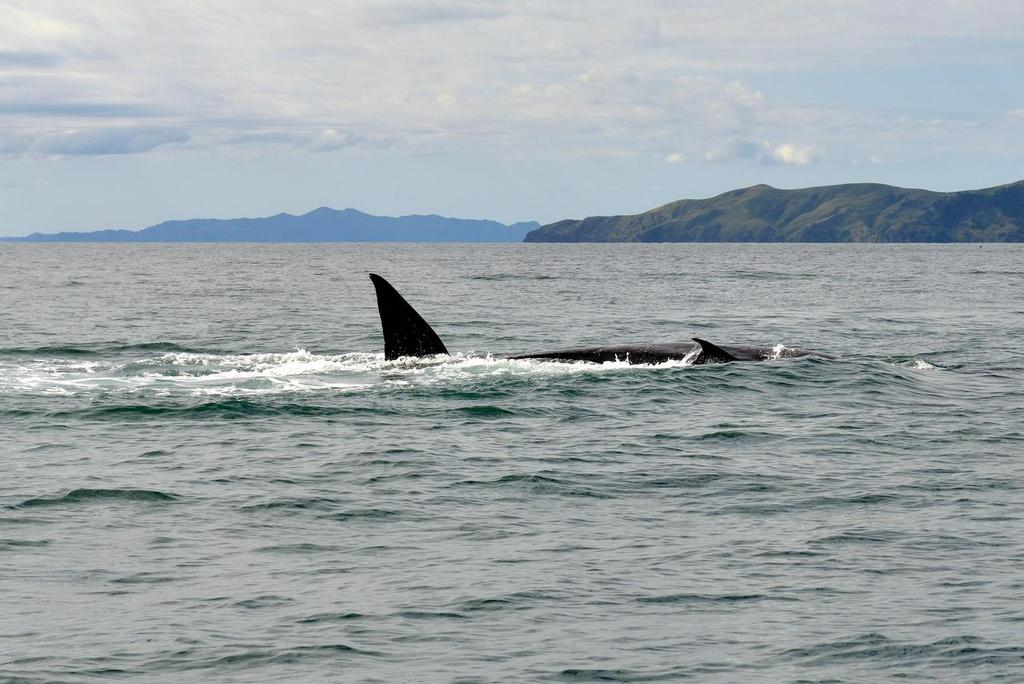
column 319, row 225
column 857, row 212
column 860, row 212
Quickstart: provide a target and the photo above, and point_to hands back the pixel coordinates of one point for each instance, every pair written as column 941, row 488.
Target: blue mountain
column 319, row 225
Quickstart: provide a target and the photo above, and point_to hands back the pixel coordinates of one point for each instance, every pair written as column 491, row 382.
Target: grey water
column 210, row 473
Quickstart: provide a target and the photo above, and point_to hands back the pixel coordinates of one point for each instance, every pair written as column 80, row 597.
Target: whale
column 406, row 334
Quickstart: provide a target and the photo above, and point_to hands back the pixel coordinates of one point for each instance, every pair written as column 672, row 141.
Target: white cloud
column 493, row 77
column 674, row 158
column 27, row 58
column 764, row 152
column 330, row 139
column 429, row 12
column 106, row 141
column 790, row 153
column 733, row 150
column 35, row 24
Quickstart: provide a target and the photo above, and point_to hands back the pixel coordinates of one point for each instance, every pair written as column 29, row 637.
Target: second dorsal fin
column 712, row 353
column 405, row 331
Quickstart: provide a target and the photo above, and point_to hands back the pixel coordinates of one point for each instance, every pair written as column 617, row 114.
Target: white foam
column 199, row 374
column 282, row 372
column 692, row 356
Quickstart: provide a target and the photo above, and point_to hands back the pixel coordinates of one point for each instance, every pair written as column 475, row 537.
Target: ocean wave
column 537, row 484
column 19, row 544
column 78, row 496
column 691, row 599
column 531, row 277
column 623, row 675
column 520, row 600
column 882, row 651
column 230, row 408
column 97, row 348
column 248, row 658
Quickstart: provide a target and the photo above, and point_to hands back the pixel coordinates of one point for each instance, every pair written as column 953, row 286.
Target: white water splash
column 690, row 358
column 273, row 373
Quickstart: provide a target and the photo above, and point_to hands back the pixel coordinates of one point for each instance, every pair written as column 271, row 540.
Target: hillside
column 860, row 212
column 320, row 225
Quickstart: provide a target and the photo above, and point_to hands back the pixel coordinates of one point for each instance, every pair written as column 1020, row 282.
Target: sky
column 125, row 113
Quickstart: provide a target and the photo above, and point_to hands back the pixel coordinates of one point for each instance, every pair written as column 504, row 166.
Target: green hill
column 857, row 212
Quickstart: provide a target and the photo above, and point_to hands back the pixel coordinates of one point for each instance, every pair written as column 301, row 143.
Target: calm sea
column 209, row 472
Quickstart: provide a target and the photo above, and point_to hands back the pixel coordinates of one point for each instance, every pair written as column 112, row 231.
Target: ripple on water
column 80, row 496
column 880, row 652
column 536, row 484
column 246, row 490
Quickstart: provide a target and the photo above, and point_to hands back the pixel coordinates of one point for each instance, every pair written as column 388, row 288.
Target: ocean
column 210, row 473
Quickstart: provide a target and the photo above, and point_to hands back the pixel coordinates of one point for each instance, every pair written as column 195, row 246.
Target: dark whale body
column 407, row 334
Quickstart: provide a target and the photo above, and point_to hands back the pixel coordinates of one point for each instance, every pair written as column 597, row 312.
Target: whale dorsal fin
column 712, row 353
column 405, row 331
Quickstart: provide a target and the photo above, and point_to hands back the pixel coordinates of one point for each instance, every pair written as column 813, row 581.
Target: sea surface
column 208, row 471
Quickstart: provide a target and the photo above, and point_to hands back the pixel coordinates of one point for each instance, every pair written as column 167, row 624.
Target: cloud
column 737, row 149
column 38, row 25
column 764, row 152
column 496, row 78
column 28, row 58
column 789, row 153
column 102, row 110
column 329, row 140
column 674, row 158
column 425, row 12
column 106, row 141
